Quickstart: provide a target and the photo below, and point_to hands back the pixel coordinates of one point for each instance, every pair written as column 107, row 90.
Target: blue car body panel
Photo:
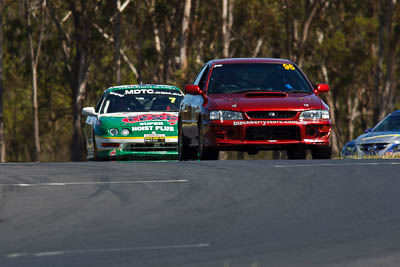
column 375, row 142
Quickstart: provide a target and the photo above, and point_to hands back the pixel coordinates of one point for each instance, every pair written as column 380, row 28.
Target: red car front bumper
column 265, row 134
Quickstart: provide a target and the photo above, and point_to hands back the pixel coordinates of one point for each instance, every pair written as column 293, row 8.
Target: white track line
column 95, row 183
column 337, row 164
column 102, row 250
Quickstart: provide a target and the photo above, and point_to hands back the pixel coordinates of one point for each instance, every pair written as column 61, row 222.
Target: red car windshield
column 263, row 77
column 142, row 100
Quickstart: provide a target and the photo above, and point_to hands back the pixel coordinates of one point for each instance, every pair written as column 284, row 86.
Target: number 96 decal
column 288, row 66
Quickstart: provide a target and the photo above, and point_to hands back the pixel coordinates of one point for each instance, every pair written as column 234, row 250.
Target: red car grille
column 273, row 133
column 271, row 114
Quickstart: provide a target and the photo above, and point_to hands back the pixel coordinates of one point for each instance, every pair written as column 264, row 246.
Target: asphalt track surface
column 217, row 213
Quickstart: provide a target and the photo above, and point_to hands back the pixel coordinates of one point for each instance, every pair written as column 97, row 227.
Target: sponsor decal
column 263, row 123
column 142, row 86
column 164, row 128
column 117, row 94
column 113, row 153
column 142, row 128
column 171, row 119
column 139, row 91
column 149, row 92
column 152, row 127
column 154, row 138
column 151, row 123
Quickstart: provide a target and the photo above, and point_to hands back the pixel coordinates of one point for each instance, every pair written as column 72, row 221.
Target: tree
column 183, row 43
column 34, row 56
column 389, row 35
column 227, row 21
column 117, row 37
column 2, row 140
column 78, row 41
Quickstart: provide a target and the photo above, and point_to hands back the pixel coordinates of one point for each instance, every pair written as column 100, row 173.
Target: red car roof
column 249, row 60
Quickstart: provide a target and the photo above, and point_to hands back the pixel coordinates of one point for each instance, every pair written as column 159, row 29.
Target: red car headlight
column 225, row 115
column 315, row 114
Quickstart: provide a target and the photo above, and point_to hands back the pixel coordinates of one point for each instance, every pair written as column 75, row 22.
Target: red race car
column 253, row 104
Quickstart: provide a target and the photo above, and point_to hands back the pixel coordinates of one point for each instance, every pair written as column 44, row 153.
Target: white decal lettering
column 264, row 123
column 142, row 128
column 139, row 91
column 117, row 94
column 164, row 128
column 151, row 123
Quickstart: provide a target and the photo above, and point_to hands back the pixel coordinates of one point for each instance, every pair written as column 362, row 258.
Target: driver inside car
column 127, row 104
column 224, row 83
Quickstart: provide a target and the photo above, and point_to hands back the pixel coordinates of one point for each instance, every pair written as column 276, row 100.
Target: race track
column 217, row 213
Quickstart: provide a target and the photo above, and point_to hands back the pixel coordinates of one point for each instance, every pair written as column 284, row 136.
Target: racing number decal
column 288, row 66
column 172, row 99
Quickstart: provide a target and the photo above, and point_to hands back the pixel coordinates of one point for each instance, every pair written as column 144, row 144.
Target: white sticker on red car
column 263, row 123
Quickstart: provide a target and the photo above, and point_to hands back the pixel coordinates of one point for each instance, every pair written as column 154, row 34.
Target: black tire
column 95, row 158
column 321, row 152
column 205, row 153
column 184, row 151
column 297, row 152
column 253, row 152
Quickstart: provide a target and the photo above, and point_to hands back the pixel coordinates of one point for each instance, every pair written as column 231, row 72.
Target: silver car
column 382, row 140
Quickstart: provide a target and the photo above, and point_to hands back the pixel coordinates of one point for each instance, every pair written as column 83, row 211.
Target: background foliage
column 87, row 46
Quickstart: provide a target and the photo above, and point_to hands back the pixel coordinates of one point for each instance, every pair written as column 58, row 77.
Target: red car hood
column 241, row 102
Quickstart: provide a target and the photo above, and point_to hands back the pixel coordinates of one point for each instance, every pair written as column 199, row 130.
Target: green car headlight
column 124, row 132
column 315, row 114
column 225, row 115
column 113, row 131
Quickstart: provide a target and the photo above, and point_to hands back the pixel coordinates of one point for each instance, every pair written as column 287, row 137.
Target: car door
column 191, row 108
column 89, row 128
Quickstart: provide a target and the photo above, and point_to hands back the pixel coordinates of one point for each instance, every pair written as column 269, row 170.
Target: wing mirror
column 88, row 111
column 193, row 90
column 367, row 130
column 321, row 88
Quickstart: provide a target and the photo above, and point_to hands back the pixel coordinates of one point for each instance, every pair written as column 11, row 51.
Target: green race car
column 134, row 122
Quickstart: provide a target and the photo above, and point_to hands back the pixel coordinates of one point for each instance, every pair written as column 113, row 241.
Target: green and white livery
column 134, row 122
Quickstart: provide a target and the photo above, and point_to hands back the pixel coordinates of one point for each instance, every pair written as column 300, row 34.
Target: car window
column 269, row 77
column 142, row 100
column 201, row 78
column 389, row 124
column 98, row 105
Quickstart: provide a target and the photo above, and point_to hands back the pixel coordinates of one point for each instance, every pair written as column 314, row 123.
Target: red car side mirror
column 321, row 88
column 193, row 90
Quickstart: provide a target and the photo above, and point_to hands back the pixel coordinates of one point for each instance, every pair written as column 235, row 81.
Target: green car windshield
column 257, row 77
column 141, row 100
column 390, row 124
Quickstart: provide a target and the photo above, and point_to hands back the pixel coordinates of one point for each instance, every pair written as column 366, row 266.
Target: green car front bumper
column 115, row 154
